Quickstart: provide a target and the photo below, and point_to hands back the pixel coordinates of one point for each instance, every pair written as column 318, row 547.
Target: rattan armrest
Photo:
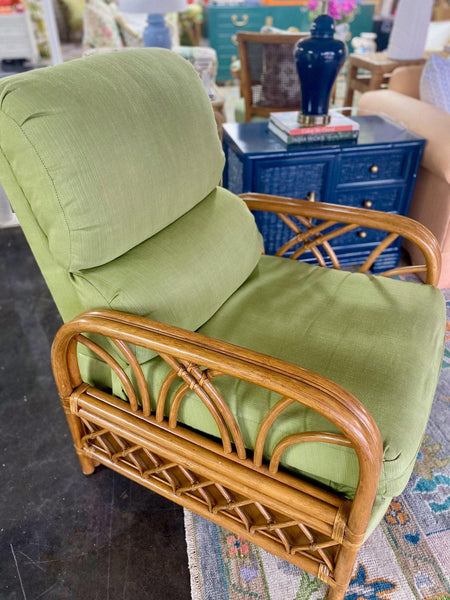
column 313, row 234
column 197, row 359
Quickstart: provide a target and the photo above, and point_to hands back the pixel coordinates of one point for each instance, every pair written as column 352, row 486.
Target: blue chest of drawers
column 224, row 21
column 377, row 172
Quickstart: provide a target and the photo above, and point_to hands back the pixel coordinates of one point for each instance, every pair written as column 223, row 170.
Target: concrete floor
column 64, row 535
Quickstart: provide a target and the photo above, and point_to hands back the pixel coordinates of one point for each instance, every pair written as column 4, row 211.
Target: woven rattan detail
column 298, row 236
column 340, row 523
column 280, row 85
column 73, row 401
column 318, row 238
column 239, row 512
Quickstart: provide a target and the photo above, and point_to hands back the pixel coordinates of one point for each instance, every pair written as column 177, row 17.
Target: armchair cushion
column 74, row 10
column 182, row 284
column 131, row 29
column 317, row 318
column 435, row 82
column 65, row 197
column 277, row 312
column 99, row 26
column 406, row 80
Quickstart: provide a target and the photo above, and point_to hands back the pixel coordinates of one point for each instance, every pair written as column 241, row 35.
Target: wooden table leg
column 376, row 80
column 351, row 77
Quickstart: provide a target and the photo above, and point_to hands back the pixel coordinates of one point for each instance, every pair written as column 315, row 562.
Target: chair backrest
column 111, row 164
column 268, row 77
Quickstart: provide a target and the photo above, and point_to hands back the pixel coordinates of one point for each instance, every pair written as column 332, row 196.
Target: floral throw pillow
column 130, row 32
column 99, row 26
column 40, row 33
column 435, row 82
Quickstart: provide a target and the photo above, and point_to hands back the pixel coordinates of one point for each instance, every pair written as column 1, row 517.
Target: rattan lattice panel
column 224, row 506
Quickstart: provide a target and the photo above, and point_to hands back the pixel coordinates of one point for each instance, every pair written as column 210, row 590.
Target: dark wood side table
column 380, row 68
column 377, row 172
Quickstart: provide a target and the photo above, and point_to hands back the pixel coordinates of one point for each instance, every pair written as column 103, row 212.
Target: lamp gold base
column 313, row 120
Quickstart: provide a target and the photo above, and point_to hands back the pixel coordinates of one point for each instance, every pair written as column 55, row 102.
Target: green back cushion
column 111, row 164
column 184, row 273
column 109, row 150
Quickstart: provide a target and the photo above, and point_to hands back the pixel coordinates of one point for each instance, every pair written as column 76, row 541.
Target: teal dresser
column 223, row 21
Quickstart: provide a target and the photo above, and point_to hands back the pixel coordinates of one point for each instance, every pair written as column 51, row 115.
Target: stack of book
column 285, row 125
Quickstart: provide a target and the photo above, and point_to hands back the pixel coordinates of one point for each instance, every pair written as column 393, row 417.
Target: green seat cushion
column 184, row 273
column 106, row 150
column 380, row 339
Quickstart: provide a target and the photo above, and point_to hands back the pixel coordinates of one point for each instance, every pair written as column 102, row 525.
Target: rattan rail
column 302, row 217
column 221, row 479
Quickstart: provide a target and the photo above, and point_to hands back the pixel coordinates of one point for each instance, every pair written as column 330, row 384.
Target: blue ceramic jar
column 319, row 59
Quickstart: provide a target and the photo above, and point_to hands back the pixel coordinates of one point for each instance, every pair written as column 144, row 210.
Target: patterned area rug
column 407, row 556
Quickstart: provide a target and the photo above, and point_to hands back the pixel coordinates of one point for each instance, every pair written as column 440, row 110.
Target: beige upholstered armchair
column 266, row 394
column 430, row 204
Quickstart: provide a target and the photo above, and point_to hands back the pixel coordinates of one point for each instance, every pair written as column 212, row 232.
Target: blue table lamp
column 318, row 59
column 156, row 33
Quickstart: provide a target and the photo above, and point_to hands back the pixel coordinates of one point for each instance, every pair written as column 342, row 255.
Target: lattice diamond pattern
column 295, row 537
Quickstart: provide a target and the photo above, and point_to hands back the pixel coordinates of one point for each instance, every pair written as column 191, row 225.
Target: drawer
column 365, row 239
column 373, row 166
column 236, row 19
column 386, row 200
column 252, row 18
column 289, row 178
column 227, row 44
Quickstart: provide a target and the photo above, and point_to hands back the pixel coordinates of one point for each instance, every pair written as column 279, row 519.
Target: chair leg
column 335, row 594
column 87, row 464
column 343, row 572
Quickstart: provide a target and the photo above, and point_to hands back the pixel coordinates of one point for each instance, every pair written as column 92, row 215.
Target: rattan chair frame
column 244, row 38
column 313, row 528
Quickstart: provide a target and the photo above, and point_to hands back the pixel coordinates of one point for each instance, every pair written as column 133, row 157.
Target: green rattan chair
column 268, row 395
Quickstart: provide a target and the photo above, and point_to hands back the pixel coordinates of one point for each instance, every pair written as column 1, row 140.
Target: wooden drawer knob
column 367, row 203
column 374, row 169
column 239, row 22
column 362, row 234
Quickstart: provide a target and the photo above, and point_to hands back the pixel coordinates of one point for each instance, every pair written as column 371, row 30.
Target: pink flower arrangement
column 342, row 11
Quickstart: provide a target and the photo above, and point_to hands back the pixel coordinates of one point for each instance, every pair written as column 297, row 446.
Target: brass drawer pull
column 374, row 169
column 311, row 196
column 367, row 203
column 362, row 234
column 239, row 23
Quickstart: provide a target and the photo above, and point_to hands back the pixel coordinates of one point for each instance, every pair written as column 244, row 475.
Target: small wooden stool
column 380, row 68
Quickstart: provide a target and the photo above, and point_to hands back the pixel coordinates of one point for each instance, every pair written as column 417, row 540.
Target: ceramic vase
column 342, row 32
column 319, row 59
